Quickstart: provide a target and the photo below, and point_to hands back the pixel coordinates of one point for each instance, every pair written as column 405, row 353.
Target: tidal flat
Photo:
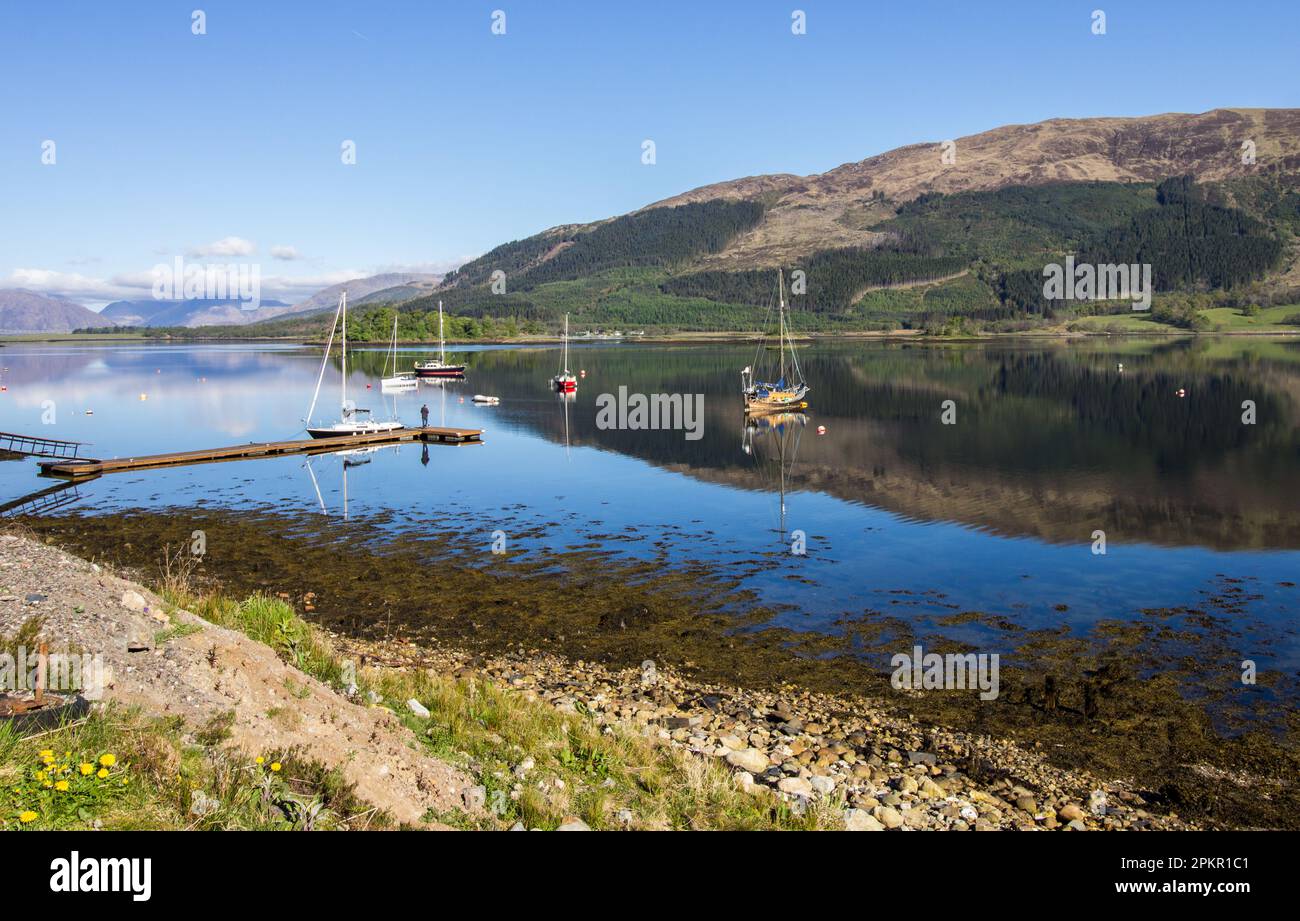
column 1132, row 699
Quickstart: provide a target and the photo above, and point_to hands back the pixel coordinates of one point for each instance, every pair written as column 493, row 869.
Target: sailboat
column 565, row 382
column 787, row 394
column 401, row 380
column 438, row 367
column 352, row 419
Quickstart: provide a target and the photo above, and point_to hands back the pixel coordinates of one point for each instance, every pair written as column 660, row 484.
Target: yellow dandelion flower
column 87, row 769
column 61, row 786
column 40, row 775
column 102, row 773
column 27, row 816
column 275, row 765
column 47, row 754
column 108, row 760
column 260, row 760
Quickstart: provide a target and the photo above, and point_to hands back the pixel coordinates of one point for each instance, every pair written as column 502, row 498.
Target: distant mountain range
column 23, row 311
column 395, row 285
column 196, row 312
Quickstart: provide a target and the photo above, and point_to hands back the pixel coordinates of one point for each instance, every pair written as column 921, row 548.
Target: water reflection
column 902, row 514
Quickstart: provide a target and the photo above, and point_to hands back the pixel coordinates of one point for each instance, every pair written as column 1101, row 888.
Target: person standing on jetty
column 424, row 415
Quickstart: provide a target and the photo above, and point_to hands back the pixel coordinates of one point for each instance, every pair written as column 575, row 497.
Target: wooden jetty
column 87, row 468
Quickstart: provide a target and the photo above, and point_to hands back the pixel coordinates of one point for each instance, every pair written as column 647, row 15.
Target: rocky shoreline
column 889, row 771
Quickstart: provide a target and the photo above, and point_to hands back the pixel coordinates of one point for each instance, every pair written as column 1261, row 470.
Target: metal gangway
column 32, row 446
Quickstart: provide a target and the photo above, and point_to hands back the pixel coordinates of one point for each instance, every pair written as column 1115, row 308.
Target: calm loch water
column 902, row 514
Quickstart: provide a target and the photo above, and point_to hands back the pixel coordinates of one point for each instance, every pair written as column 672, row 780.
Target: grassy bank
column 536, row 767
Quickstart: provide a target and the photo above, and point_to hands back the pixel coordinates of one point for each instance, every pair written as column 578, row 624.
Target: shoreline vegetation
column 1120, row 327
column 551, row 743
column 550, row 739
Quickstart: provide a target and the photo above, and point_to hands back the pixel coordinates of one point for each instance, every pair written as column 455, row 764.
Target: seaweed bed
column 1157, row 696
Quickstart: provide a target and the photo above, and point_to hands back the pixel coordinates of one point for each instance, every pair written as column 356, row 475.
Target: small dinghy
column 490, row 401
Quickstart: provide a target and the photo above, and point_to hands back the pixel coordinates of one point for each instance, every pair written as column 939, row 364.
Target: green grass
column 1218, row 319
column 1231, row 319
column 121, row 770
column 610, row 779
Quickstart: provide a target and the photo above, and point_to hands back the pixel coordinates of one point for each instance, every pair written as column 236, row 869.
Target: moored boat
column 787, row 393
column 353, row 420
column 565, row 382
column 400, row 380
column 439, row 367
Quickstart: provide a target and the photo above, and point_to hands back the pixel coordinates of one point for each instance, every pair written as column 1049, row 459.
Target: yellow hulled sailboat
column 788, row 392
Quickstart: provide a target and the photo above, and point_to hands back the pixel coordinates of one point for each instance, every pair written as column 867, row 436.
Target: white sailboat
column 400, row 380
column 353, row 420
column 438, row 367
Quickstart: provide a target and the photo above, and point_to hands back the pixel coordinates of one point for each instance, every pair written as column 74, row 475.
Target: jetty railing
column 32, row 446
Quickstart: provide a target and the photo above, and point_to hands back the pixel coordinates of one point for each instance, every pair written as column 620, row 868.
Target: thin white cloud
column 78, row 287
column 226, row 246
column 285, row 253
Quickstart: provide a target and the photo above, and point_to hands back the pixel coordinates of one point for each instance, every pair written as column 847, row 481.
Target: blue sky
column 167, row 142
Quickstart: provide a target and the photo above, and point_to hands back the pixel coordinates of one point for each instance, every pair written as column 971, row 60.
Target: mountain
column 394, row 286
column 911, row 237
column 193, row 312
column 23, row 311
column 823, row 210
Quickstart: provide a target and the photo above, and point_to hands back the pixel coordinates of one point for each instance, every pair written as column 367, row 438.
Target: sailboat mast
column 780, row 284
column 442, row 345
column 343, row 387
column 324, row 361
column 394, row 351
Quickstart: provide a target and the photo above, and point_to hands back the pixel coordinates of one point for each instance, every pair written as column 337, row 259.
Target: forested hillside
column 903, row 240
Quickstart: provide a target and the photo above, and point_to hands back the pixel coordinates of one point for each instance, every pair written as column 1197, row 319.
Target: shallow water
column 904, row 516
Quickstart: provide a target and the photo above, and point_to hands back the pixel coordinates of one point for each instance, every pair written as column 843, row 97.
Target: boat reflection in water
column 772, row 439
column 350, row 458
